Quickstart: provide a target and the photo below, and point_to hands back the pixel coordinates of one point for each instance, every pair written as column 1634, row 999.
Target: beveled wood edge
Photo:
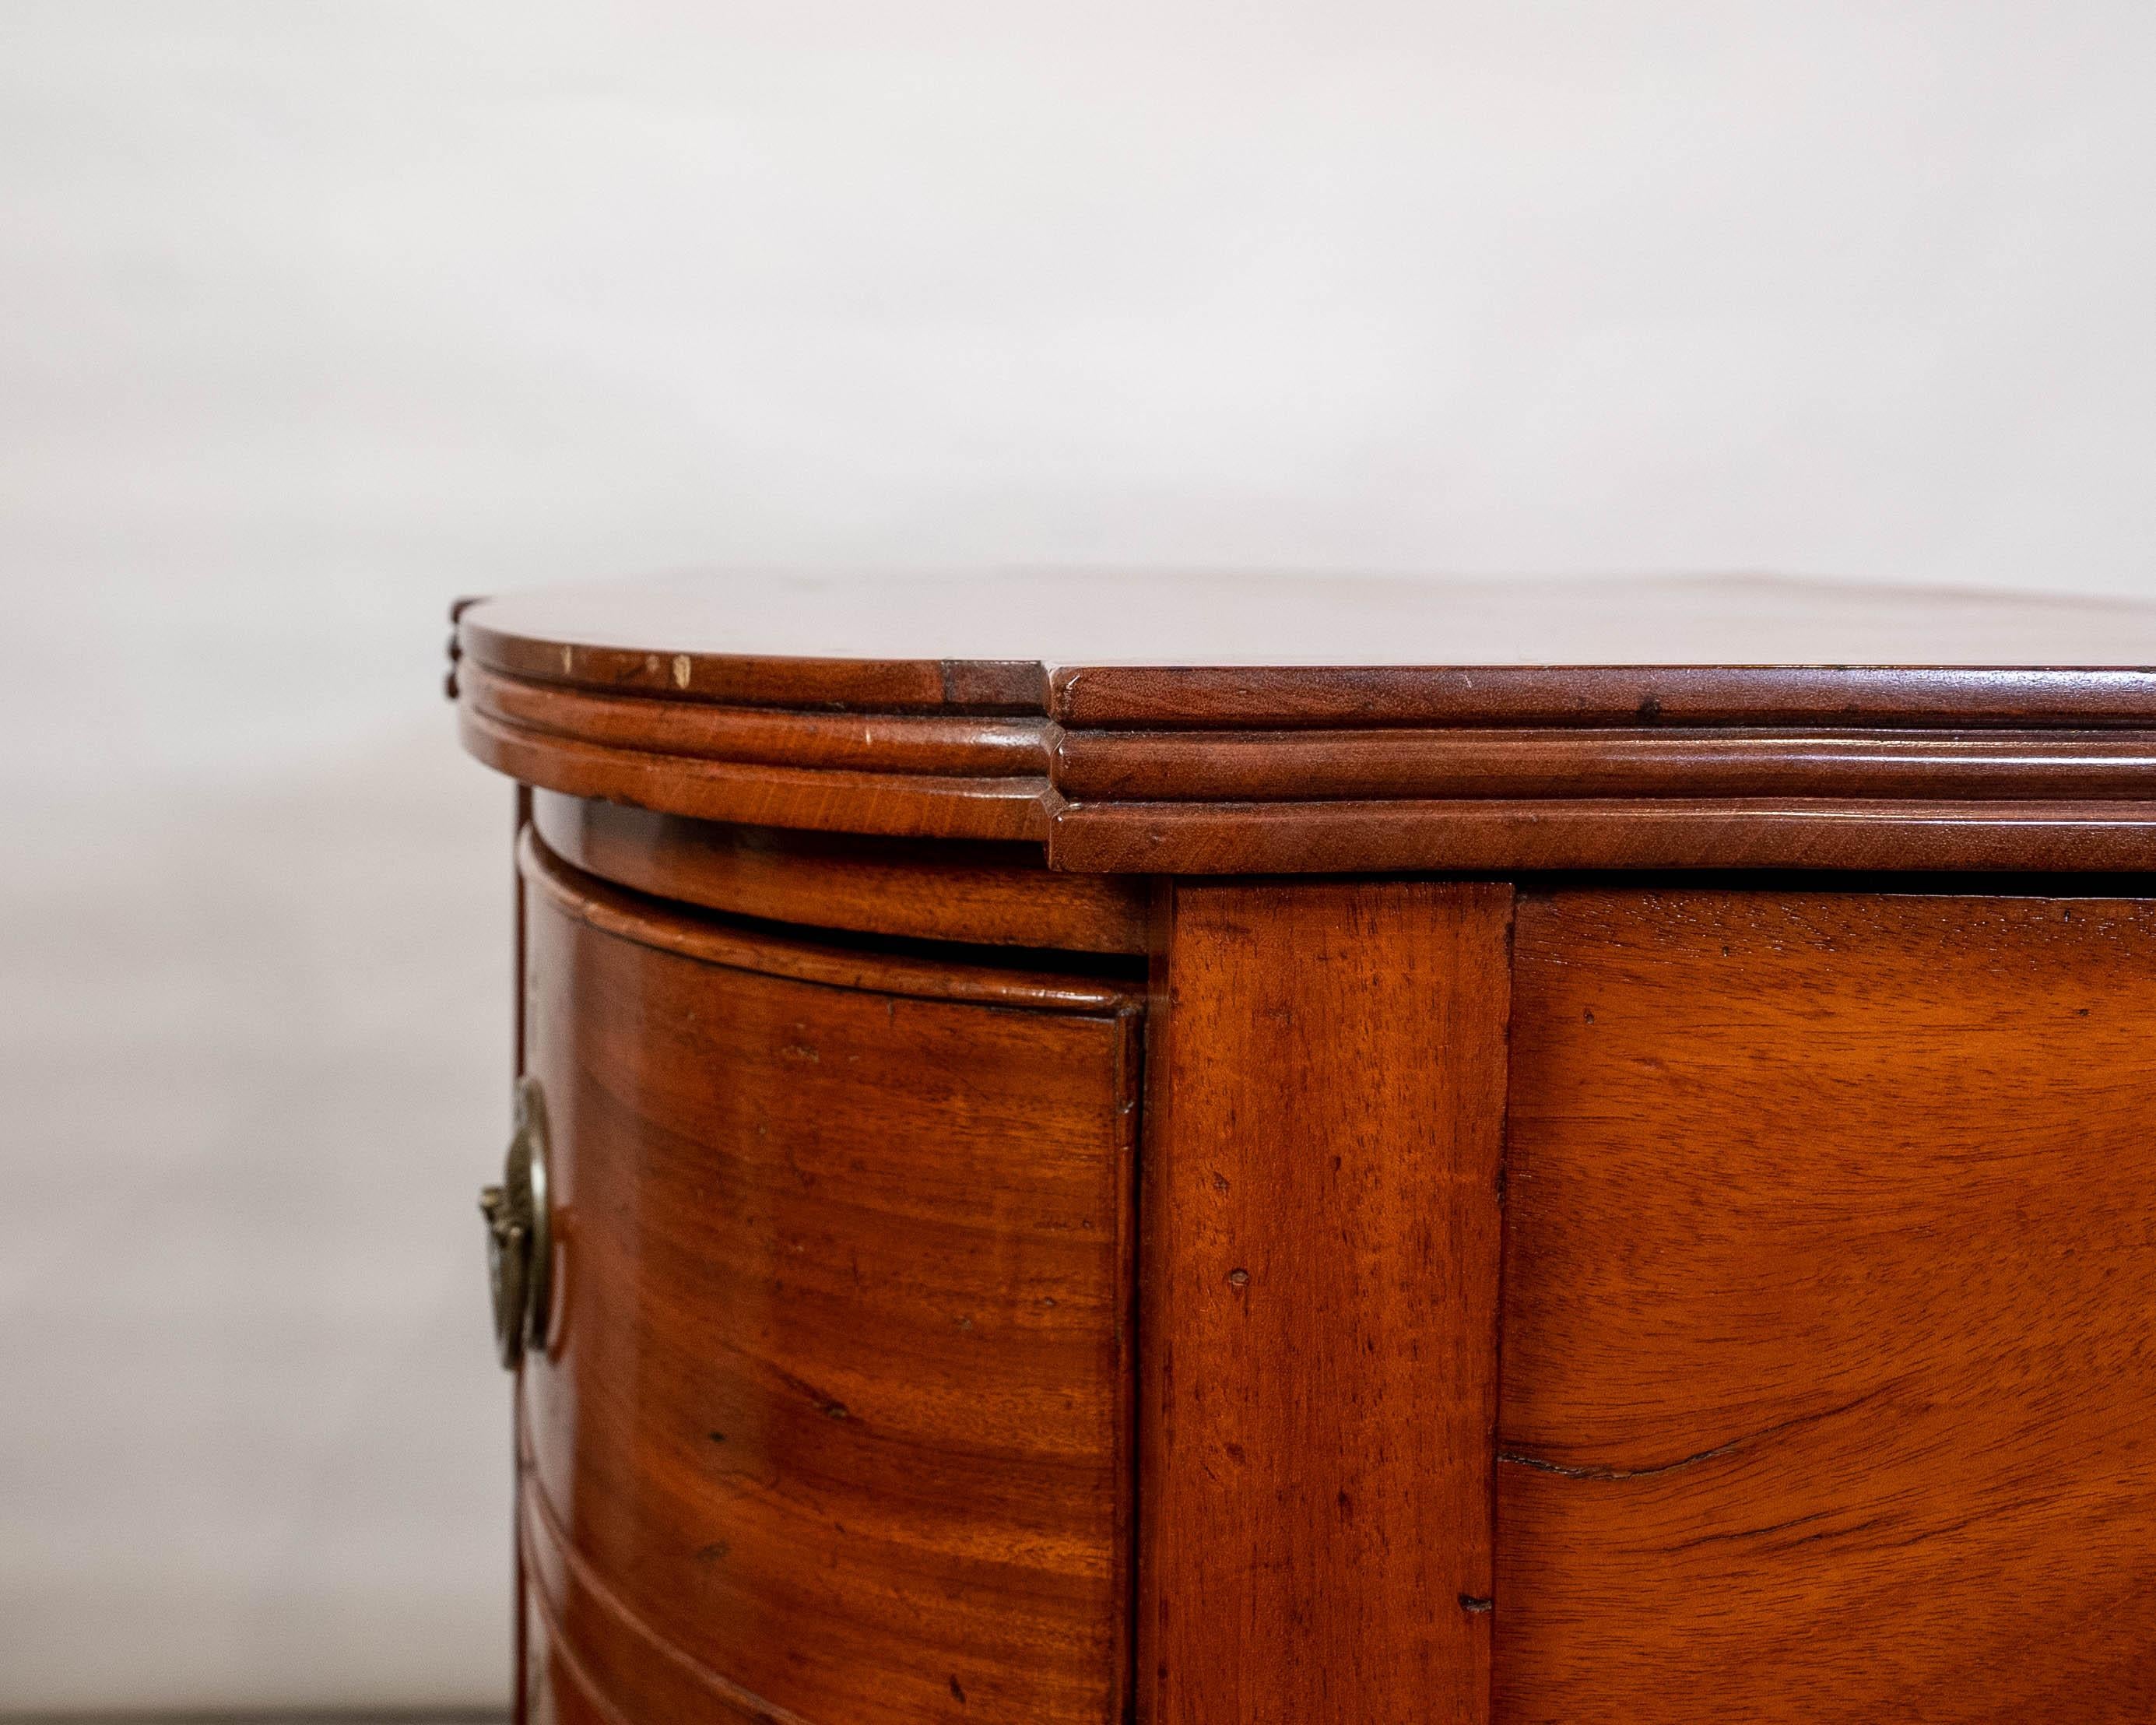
column 901, row 804
column 563, row 1659
column 1199, row 697
column 542, row 1535
column 672, row 929
column 1223, row 803
column 1513, row 835
column 1770, row 695
column 1691, row 763
column 953, row 686
column 972, row 891
column 1152, row 770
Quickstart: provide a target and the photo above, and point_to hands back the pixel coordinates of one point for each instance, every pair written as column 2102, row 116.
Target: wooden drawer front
column 834, row 1421
column 1827, row 1388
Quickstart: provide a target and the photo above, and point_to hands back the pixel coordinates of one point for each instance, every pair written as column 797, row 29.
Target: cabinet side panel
column 833, row 1422
column 1318, row 1304
column 1831, row 1258
column 520, row 1698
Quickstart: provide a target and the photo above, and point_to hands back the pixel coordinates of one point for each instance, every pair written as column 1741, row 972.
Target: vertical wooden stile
column 1318, row 1296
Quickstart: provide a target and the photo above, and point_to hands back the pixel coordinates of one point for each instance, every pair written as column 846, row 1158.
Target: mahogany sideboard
column 1227, row 1152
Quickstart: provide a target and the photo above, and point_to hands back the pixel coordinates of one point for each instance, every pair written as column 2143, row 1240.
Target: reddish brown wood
column 717, row 941
column 563, row 1685
column 1149, row 647
column 1502, row 836
column 1326, row 1093
column 1214, row 726
column 1933, row 691
column 1829, row 1237
column 1831, row 1254
column 519, row 1695
column 1418, row 763
column 821, row 799
column 834, row 1420
column 884, row 742
column 993, row 895
column 595, row 637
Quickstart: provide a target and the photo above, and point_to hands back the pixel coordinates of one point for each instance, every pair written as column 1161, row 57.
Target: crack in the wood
column 1522, row 1460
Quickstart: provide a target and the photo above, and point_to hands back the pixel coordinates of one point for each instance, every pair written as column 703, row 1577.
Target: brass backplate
column 520, row 1233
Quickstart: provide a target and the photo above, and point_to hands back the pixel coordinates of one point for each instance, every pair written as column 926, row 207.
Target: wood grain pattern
column 1544, row 763
column 1831, row 1258
column 822, row 799
column 714, row 941
column 1503, row 836
column 982, row 894
column 520, row 1700
column 875, row 743
column 981, row 641
column 833, row 1422
column 1172, row 737
column 2094, row 688
column 1326, row 1085
column 1830, row 1224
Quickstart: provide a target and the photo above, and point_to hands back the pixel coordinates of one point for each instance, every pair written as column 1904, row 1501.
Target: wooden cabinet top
column 1208, row 724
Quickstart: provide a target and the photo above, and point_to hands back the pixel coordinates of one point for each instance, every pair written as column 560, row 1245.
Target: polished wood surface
column 521, row 817
column 1559, row 762
column 1830, row 1260
column 834, row 1419
column 719, row 941
column 1218, row 725
column 1603, row 1238
column 962, row 777
column 985, row 894
column 1326, row 1096
column 1502, row 837
column 977, row 642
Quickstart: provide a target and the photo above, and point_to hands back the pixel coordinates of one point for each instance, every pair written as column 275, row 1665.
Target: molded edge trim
column 1919, row 697
column 971, row 892
column 906, row 805
column 1505, row 834
column 1360, row 770
column 544, row 1538
column 671, row 928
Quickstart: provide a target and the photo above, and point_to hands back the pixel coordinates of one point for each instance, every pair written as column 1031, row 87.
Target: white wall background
column 312, row 315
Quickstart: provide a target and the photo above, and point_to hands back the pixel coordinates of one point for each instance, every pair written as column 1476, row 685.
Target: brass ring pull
column 520, row 1233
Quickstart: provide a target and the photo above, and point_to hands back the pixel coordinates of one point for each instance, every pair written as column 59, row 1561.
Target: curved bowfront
column 1219, row 1152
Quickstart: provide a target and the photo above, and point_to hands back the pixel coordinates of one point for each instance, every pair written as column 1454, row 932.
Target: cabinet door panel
column 1827, row 1389
column 833, row 1421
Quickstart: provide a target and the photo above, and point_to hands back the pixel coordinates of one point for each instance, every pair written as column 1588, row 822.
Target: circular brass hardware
column 520, row 1233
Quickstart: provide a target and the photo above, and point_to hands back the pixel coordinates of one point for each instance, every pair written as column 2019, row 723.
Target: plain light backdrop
column 314, row 315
